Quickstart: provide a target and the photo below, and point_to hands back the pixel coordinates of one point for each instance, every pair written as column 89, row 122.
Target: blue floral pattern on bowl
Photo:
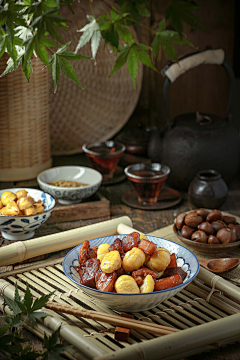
column 70, row 195
column 23, row 227
column 134, row 302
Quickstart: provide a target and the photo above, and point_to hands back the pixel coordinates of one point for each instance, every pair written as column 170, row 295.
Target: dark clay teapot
column 195, row 141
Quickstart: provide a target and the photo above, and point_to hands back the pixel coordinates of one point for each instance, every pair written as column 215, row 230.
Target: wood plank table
column 144, row 221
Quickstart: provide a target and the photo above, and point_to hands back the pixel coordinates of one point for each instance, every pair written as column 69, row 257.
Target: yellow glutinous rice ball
column 126, row 284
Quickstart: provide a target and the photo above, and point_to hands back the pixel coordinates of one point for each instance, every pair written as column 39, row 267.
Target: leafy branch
column 12, row 343
column 33, row 28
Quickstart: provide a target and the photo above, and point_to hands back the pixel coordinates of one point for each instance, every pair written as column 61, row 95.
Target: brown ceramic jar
column 208, row 190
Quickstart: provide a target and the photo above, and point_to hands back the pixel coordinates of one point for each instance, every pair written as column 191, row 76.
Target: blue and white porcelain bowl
column 70, row 195
column 134, row 302
column 23, row 227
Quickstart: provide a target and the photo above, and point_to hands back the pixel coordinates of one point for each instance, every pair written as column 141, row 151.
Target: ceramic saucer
column 167, row 198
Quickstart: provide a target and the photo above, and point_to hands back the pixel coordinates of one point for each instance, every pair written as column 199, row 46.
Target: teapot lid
column 137, row 135
column 200, row 121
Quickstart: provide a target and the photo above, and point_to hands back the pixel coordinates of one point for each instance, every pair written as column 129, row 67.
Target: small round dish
column 134, row 302
column 166, row 199
column 70, row 195
column 206, row 248
column 23, row 227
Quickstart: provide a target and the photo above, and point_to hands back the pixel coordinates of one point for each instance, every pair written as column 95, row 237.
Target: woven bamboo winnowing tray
column 201, row 314
column 99, row 111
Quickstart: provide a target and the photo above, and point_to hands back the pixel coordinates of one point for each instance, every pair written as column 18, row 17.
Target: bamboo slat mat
column 94, row 339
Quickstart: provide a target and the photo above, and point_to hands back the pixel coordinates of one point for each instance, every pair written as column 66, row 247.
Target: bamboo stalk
column 22, row 250
column 112, row 319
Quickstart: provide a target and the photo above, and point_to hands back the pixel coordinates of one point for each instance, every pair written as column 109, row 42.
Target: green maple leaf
column 132, row 66
column 13, row 306
column 165, row 39
column 90, row 32
column 181, row 10
column 54, row 349
column 135, row 8
column 111, row 36
column 121, row 60
column 40, row 302
column 131, row 54
column 59, row 62
column 28, row 299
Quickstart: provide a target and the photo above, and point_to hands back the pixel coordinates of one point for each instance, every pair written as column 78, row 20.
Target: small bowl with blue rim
column 89, row 181
column 18, row 227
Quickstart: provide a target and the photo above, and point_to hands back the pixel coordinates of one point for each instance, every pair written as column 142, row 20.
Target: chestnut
column 199, row 236
column 236, row 229
column 217, row 225
column 226, row 235
column 229, row 219
column 214, row 215
column 204, row 213
column 213, row 240
column 179, row 221
column 187, row 231
column 206, row 227
column 192, row 219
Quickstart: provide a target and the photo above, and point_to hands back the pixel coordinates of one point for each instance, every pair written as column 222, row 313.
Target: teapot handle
column 173, row 70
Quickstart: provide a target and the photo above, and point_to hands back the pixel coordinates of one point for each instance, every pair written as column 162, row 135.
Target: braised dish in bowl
column 130, row 272
column 207, row 231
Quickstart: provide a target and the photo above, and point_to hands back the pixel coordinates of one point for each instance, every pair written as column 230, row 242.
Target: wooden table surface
column 144, row 221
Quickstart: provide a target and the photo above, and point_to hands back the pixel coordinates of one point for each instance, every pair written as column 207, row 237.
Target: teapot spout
column 154, row 150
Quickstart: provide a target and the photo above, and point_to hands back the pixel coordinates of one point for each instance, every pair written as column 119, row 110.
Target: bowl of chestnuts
column 208, row 231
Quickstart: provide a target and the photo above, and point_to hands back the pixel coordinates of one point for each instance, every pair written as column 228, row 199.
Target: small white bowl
column 134, row 302
column 70, row 195
column 23, row 227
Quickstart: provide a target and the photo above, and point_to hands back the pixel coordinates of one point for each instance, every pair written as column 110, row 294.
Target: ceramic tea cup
column 104, row 156
column 147, row 180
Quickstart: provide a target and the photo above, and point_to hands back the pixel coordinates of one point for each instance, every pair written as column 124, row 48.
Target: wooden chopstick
column 112, row 319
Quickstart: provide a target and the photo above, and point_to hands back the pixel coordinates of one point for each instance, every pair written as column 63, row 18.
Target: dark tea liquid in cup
column 104, row 157
column 147, row 180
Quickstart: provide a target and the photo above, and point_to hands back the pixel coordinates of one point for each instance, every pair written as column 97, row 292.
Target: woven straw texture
column 100, row 110
column 24, row 123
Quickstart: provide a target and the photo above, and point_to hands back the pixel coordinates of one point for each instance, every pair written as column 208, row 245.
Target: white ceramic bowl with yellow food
column 89, row 179
column 139, row 301
column 22, row 227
